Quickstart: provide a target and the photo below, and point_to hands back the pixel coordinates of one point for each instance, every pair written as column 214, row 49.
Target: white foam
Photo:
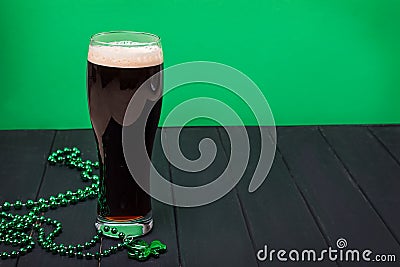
column 121, row 56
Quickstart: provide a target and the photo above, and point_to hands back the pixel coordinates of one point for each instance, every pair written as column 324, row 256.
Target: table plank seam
column 46, row 165
column 175, row 222
column 41, row 181
column 353, row 180
column 174, row 207
column 243, row 212
column 309, row 207
column 382, row 143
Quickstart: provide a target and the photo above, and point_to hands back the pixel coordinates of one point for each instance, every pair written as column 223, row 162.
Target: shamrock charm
column 140, row 250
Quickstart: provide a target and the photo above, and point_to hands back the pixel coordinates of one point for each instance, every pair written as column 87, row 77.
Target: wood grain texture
column 214, row 234
column 325, row 183
column 23, row 162
column 77, row 220
column 276, row 213
column 340, row 206
column 389, row 136
column 372, row 168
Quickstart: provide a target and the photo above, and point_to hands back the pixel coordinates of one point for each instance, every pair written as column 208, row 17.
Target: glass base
column 134, row 228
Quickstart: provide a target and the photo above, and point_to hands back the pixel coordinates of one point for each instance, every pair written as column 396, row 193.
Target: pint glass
column 118, row 64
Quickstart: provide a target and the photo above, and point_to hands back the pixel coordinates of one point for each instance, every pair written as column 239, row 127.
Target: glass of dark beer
column 118, row 64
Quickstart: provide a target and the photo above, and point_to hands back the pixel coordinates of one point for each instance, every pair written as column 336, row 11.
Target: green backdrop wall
column 317, row 62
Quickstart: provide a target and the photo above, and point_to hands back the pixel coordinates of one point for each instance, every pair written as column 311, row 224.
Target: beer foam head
column 125, row 54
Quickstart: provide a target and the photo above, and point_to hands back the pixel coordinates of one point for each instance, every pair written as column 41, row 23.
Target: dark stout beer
column 114, row 74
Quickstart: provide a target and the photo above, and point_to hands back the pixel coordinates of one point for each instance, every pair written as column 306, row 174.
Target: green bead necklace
column 15, row 229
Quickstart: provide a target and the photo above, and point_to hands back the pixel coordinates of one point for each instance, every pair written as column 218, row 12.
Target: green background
column 317, row 62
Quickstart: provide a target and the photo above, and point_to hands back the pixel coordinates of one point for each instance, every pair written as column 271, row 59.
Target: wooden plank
column 389, row 136
column 214, row 234
column 77, row 220
column 276, row 214
column 164, row 224
column 23, row 161
column 372, row 167
column 342, row 210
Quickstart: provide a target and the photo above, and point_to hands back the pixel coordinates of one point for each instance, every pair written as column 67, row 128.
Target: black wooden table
column 326, row 183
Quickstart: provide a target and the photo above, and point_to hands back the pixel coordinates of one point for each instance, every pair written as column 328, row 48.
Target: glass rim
column 157, row 39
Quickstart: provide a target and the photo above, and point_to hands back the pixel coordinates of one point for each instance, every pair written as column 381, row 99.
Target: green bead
column 44, row 208
column 59, row 159
column 19, row 226
column 96, row 165
column 79, row 255
column 35, row 210
column 4, row 255
column 113, row 249
column 69, row 194
column 121, row 235
column 97, row 255
column 22, row 251
column 74, row 155
column 80, row 166
column 95, row 178
column 70, row 247
column 106, row 228
column 53, row 205
column 42, row 201
column 62, row 252
column 73, row 200
column 59, row 152
column 99, row 232
column 114, row 230
column 63, row 202
column 89, row 256
column 88, row 169
column 87, row 190
column 60, row 196
column 54, row 249
column 79, row 247
column 106, row 253
column 67, row 149
column 14, row 254
column 70, row 253
column 85, row 176
column 96, row 238
column 82, row 197
column 88, row 245
column 17, row 205
column 29, row 204
column 6, row 206
column 71, row 164
column 52, row 198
